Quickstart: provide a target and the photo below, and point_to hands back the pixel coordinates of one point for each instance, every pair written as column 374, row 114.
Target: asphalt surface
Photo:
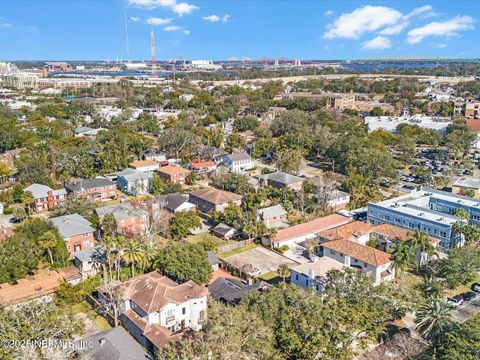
column 467, row 310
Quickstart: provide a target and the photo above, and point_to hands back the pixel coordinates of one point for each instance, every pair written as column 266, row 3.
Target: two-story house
column 273, row 216
column 129, row 220
column 98, row 190
column 238, row 162
column 76, row 231
column 173, row 174
column 281, row 180
column 45, row 198
column 157, row 310
column 134, row 182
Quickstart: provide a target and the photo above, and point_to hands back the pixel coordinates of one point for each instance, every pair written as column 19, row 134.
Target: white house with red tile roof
column 301, row 232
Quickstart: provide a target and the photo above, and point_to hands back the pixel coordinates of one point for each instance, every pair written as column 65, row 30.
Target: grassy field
column 84, row 307
column 271, row 277
column 237, row 251
column 203, row 237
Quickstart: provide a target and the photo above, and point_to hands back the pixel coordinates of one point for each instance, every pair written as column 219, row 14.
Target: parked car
column 455, row 301
column 476, row 287
column 469, row 295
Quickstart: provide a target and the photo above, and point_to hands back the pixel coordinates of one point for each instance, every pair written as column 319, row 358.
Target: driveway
column 467, row 310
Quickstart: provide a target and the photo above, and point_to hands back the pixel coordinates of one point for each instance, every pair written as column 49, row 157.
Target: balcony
column 169, row 320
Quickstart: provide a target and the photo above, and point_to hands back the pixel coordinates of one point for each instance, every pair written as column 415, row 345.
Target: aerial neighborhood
column 240, row 209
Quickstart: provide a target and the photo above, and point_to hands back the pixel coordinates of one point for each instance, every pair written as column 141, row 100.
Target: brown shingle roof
column 215, row 196
column 171, row 170
column 348, row 231
column 141, row 163
column 358, row 251
column 473, row 125
column 157, row 334
column 152, row 291
column 313, row 226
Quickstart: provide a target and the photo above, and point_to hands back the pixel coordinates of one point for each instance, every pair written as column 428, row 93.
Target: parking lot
column 260, row 259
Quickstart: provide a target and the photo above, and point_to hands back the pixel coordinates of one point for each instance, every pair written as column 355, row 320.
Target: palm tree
column 283, row 271
column 28, row 199
column 148, row 256
column 47, row 242
column 402, row 256
column 434, row 320
column 421, row 243
column 132, row 253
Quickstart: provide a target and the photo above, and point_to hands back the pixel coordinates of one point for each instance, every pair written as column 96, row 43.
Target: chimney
column 101, row 341
column 249, row 281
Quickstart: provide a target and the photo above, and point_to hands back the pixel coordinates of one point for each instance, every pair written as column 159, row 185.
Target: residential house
column 273, row 216
column 158, row 156
column 87, row 132
column 173, row 203
column 314, row 274
column 465, row 184
column 238, row 162
column 224, row 231
column 202, row 167
column 134, row 182
column 281, row 180
column 5, row 231
column 233, row 290
column 113, row 344
column 173, row 174
column 301, row 232
column 374, row 262
column 146, row 166
column 89, row 261
column 98, row 190
column 76, row 231
column 213, row 260
column 129, row 220
column 157, row 310
column 45, row 197
column 211, row 199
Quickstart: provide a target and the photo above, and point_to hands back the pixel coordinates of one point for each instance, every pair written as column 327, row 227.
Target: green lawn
column 271, row 277
column 203, row 237
column 237, row 251
column 461, row 288
column 86, row 308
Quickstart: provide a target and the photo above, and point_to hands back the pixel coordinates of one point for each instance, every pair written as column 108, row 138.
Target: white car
column 476, row 287
column 455, row 301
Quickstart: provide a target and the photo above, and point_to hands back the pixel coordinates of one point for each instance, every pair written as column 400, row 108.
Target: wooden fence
column 234, row 245
column 100, row 310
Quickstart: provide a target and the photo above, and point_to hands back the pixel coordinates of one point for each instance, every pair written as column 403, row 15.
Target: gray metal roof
column 113, row 344
column 132, row 175
column 282, row 177
column 88, row 184
column 120, row 211
column 72, row 225
column 89, row 254
column 272, row 211
column 239, row 157
column 172, row 201
column 212, row 258
column 38, row 191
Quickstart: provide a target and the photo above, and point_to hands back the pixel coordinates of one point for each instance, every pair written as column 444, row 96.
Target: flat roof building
column 390, row 123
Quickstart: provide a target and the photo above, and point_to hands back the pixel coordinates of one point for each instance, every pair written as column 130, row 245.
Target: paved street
column 467, row 310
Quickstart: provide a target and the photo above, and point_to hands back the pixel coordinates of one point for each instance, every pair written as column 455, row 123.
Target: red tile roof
column 202, row 164
column 397, row 233
column 311, row 227
column 473, row 125
column 348, row 231
column 358, row 251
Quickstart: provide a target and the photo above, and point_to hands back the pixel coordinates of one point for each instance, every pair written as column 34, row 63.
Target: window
column 184, row 311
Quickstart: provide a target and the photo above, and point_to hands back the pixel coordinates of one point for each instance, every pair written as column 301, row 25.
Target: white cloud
column 134, row 18
column 444, row 28
column 211, row 18
column 377, row 43
column 6, row 25
column 394, row 29
column 158, row 21
column 176, row 28
column 419, row 10
column 179, row 8
column 216, row 18
column 329, row 12
column 361, row 20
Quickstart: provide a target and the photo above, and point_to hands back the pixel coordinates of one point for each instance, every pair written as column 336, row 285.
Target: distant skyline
column 233, row 29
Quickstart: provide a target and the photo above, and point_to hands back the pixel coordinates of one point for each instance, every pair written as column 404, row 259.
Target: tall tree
column 434, row 320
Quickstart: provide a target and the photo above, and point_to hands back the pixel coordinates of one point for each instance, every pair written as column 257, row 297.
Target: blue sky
column 224, row 29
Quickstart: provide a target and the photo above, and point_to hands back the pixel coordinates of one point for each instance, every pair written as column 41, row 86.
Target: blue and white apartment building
column 428, row 210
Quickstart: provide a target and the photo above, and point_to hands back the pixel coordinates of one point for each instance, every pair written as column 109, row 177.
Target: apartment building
column 76, row 231
column 129, row 220
column 45, row 197
column 97, row 190
column 428, row 210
